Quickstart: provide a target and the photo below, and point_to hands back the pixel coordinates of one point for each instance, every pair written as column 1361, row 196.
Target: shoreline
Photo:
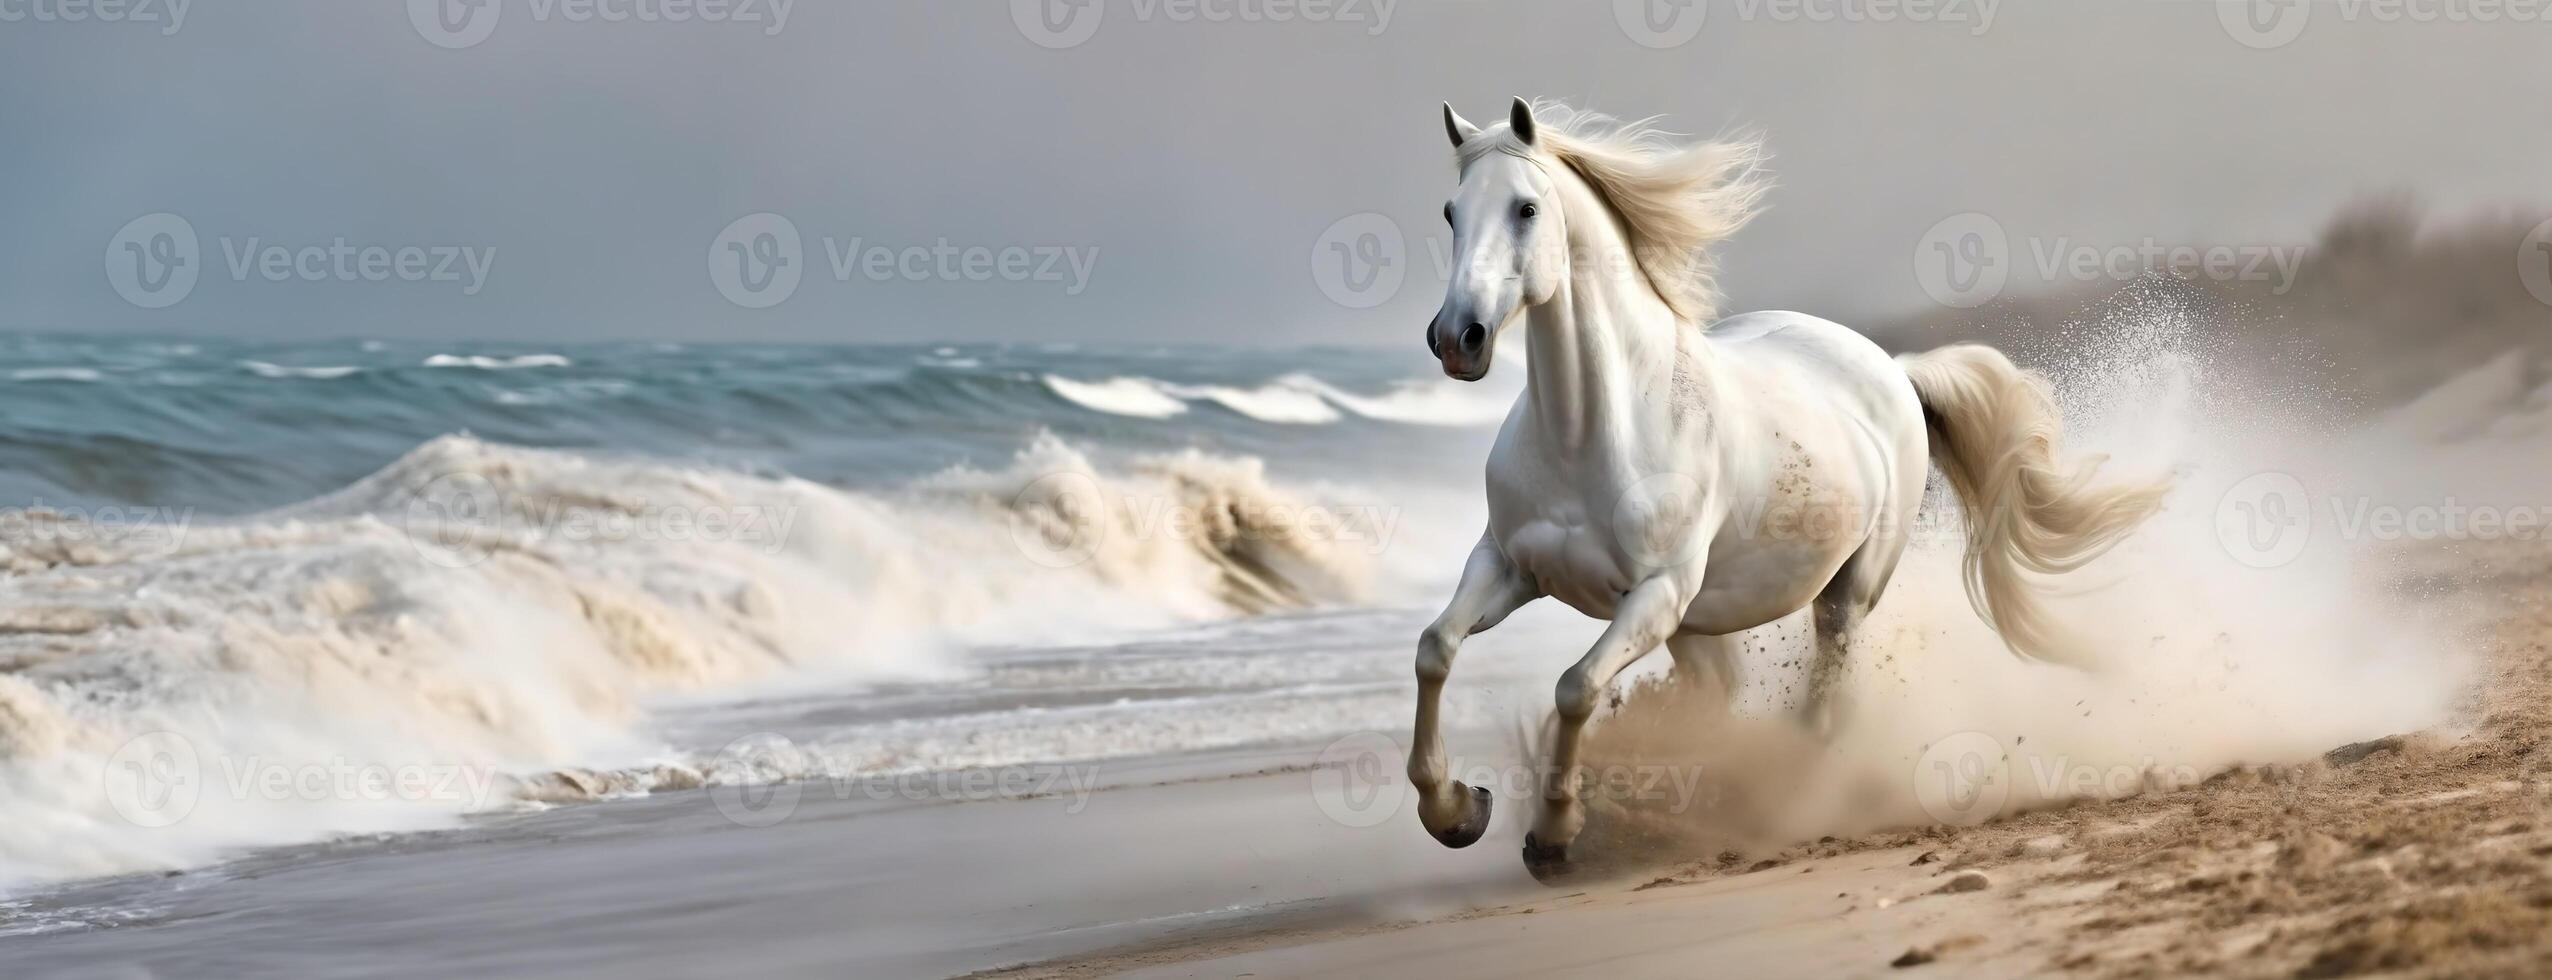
column 2424, row 853
column 842, row 883
column 2421, row 853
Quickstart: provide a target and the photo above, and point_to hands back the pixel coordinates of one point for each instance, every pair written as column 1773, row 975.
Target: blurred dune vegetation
column 2387, row 304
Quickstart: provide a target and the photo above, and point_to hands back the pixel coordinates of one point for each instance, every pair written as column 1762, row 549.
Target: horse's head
column 1510, row 242
column 1642, row 209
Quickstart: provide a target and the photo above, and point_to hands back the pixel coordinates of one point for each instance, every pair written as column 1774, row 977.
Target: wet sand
column 2428, row 854
column 669, row 886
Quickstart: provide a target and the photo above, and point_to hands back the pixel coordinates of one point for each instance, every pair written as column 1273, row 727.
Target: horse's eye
column 1530, row 210
column 1448, row 212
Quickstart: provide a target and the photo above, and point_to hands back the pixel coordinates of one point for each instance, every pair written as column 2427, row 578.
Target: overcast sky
column 1139, row 170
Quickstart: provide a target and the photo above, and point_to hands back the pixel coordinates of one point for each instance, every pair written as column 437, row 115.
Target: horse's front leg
column 1644, row 618
column 1491, row 588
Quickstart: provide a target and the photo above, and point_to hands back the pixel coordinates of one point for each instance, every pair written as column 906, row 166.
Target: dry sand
column 2425, row 854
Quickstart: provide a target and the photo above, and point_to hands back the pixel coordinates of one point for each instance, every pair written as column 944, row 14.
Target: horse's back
column 1818, row 348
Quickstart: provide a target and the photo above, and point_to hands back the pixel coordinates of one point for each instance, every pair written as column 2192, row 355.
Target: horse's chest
column 1569, row 552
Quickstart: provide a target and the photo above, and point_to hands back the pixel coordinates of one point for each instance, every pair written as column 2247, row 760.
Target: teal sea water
column 234, row 572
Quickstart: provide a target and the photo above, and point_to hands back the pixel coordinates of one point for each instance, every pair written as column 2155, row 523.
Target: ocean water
column 400, row 643
column 274, row 593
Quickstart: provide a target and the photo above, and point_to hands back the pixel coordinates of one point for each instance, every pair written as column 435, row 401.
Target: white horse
column 1689, row 483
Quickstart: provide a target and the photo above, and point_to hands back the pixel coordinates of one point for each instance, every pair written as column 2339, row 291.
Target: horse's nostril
column 1473, row 336
column 1433, row 347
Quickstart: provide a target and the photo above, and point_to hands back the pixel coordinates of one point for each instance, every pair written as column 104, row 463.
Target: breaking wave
column 496, row 621
column 1294, row 399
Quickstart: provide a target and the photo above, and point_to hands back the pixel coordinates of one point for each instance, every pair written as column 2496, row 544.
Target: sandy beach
column 2428, row 854
column 2423, row 855
column 671, row 885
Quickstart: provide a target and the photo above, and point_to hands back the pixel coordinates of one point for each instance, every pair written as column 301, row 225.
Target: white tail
column 1995, row 434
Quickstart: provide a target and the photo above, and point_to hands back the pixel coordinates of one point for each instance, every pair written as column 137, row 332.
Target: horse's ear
column 1458, row 128
column 1520, row 119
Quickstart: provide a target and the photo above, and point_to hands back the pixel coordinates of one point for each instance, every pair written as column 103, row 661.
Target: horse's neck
column 1602, row 352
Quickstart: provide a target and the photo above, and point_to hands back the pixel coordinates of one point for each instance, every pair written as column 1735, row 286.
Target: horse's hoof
column 1468, row 832
column 1548, row 862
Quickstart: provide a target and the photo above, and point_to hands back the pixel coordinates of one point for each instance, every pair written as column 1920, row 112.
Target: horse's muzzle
column 1465, row 353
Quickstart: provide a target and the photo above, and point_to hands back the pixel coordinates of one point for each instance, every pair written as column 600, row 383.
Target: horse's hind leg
column 1708, row 664
column 1838, row 609
column 1642, row 621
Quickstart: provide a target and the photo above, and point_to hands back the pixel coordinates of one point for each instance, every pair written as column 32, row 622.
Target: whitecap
column 1141, row 398
column 55, row 374
column 497, row 363
column 1279, row 403
column 1294, row 399
column 266, row 370
column 1447, row 403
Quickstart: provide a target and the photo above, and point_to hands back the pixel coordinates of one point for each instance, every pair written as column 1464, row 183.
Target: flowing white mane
column 1674, row 200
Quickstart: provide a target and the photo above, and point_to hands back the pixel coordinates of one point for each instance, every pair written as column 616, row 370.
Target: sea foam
column 494, row 623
